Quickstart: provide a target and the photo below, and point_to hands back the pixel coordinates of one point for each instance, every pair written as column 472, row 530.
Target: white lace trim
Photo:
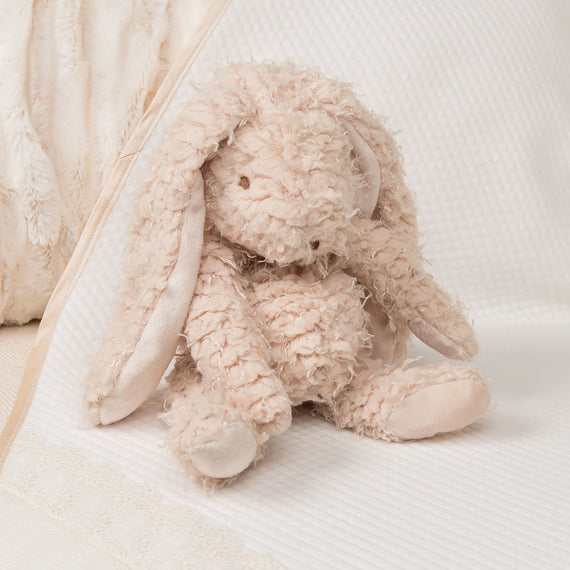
column 125, row 520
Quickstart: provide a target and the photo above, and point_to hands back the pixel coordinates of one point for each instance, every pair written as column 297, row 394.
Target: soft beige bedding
column 15, row 347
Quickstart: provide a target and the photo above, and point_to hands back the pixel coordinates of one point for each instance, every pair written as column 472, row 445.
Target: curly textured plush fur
column 310, row 279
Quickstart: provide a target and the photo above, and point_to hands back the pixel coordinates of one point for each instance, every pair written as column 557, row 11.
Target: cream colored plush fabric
column 75, row 78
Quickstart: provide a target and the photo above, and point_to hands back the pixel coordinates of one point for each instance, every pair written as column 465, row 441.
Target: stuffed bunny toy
column 274, row 244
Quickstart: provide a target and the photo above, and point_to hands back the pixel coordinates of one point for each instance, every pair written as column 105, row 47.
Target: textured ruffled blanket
column 75, row 78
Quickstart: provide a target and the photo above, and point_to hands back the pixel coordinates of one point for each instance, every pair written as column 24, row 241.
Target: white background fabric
column 479, row 93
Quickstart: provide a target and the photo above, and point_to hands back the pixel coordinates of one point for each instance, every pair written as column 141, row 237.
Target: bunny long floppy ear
column 164, row 247
column 386, row 255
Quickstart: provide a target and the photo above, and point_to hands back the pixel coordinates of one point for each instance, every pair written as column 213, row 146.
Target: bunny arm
column 389, row 265
column 212, row 440
column 224, row 341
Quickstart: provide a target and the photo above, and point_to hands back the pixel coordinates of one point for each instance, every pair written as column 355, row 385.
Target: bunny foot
column 228, row 454
column 212, row 440
column 411, row 402
column 439, row 408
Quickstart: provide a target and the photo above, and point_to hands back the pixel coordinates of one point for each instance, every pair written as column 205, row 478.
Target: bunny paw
column 458, row 344
column 230, row 453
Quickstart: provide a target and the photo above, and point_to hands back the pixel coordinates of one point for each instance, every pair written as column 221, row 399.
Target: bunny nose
column 315, row 244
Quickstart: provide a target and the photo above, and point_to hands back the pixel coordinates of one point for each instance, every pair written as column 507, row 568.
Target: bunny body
column 310, row 280
column 316, row 328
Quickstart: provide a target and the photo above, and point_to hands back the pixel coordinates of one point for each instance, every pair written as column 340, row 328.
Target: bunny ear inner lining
column 143, row 371
column 366, row 195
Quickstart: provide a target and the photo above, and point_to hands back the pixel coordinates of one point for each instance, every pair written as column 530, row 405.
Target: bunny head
column 284, row 185
column 280, row 161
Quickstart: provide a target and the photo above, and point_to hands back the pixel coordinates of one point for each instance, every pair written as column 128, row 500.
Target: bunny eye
column 244, row 182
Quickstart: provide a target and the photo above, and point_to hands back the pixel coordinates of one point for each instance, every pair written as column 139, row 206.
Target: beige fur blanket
column 75, row 78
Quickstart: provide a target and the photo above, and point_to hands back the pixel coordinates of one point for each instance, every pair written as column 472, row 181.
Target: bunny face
column 283, row 187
